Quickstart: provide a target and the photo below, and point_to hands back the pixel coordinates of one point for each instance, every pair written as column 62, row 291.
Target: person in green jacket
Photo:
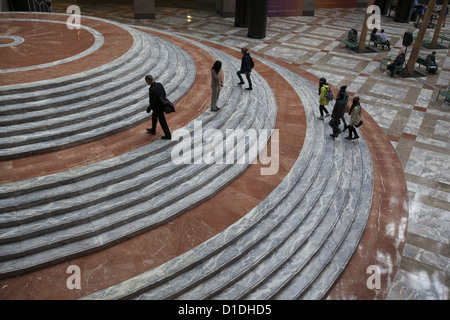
column 323, row 101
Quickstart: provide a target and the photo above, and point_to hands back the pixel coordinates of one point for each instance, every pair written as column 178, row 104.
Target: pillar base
column 144, row 9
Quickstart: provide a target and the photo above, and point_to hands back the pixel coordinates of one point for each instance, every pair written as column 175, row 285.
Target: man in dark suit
column 157, row 95
column 246, row 68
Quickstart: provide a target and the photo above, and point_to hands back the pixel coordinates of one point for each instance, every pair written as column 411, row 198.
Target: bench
column 377, row 42
column 445, row 93
column 445, row 37
column 351, row 42
column 426, row 40
column 387, row 60
column 427, row 63
column 399, row 68
column 430, row 25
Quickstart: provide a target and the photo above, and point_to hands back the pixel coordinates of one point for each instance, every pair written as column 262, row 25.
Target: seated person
column 432, row 64
column 383, row 39
column 373, row 36
column 397, row 62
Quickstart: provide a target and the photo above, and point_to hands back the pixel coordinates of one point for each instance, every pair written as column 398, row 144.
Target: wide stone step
column 271, row 237
column 307, row 251
column 34, row 192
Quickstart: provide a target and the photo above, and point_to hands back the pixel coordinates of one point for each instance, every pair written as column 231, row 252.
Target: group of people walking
column 157, row 100
column 157, row 94
column 341, row 107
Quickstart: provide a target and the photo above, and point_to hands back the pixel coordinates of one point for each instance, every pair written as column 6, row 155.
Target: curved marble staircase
column 293, row 245
column 59, row 113
column 64, row 215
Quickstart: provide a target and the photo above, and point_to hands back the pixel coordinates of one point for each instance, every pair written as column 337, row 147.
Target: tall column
column 144, row 9
column 420, row 35
column 384, row 6
column 257, row 19
column 403, row 11
column 309, row 6
column 226, row 8
column 437, row 30
column 361, row 3
column 241, row 13
column 4, row 5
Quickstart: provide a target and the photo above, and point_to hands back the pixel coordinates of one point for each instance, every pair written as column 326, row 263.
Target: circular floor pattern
column 10, row 41
column 45, row 46
column 51, row 50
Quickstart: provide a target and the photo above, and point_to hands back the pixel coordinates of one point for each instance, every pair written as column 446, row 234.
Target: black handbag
column 168, row 106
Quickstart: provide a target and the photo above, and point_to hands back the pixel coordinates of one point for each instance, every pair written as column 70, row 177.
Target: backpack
column 252, row 64
column 329, row 94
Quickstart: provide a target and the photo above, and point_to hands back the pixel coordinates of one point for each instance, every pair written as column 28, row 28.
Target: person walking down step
column 337, row 114
column 157, row 95
column 323, row 100
column 355, row 119
column 246, row 68
column 346, row 107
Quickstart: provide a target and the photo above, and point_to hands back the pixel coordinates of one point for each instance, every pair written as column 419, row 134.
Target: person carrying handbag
column 157, row 96
column 355, row 119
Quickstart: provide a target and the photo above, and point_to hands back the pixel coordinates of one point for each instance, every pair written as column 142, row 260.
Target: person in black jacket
column 157, row 95
column 397, row 62
column 337, row 114
column 246, row 67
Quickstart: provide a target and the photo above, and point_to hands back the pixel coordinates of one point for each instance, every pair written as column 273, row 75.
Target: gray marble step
column 307, row 243
column 100, row 116
column 257, row 257
column 33, row 192
column 325, row 276
column 249, row 265
column 111, row 205
column 54, row 221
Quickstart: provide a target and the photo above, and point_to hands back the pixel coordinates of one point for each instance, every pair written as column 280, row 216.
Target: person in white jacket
column 216, row 84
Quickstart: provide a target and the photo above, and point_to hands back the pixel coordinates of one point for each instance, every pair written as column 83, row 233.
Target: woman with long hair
column 355, row 119
column 216, row 83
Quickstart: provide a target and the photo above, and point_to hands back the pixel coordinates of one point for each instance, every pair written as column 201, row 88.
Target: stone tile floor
column 406, row 109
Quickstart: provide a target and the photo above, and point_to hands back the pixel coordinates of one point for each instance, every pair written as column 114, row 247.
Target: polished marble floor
column 417, row 125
